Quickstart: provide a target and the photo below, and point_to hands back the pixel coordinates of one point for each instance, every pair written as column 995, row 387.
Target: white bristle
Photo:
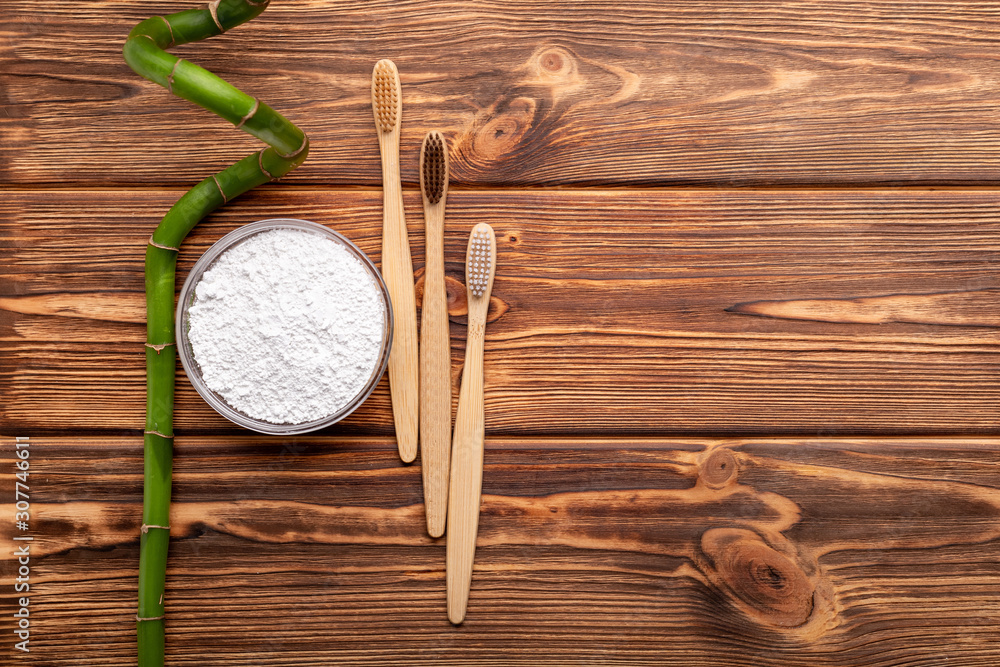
column 480, row 259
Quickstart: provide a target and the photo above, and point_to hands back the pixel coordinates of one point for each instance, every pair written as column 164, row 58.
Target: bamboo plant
column 145, row 52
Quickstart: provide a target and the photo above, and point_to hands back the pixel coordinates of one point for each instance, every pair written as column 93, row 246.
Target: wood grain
column 527, row 92
column 751, row 552
column 973, row 308
column 663, row 354
column 613, row 312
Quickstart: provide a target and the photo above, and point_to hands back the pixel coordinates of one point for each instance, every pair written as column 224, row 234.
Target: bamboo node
column 159, row 348
column 225, row 200
column 213, row 9
column 170, row 29
column 170, row 77
column 146, row 526
column 162, row 435
column 149, row 618
column 162, row 246
column 250, row 114
column 305, row 143
column 260, row 163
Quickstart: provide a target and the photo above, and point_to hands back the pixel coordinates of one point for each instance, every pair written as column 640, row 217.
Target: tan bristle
column 479, row 261
column 434, row 167
column 385, row 95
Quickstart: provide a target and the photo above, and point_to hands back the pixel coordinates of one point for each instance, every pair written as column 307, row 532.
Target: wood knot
column 553, row 65
column 458, row 304
column 719, row 470
column 500, row 130
column 768, row 585
column 554, row 62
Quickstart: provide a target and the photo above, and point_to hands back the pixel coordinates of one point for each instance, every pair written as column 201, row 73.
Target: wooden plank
column 730, row 93
column 312, row 551
column 614, row 312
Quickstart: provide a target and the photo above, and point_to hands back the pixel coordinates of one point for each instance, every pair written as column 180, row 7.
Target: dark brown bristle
column 433, row 168
column 385, row 95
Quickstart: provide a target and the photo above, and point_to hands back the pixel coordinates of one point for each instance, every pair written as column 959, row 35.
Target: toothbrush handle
column 397, row 269
column 435, row 382
column 466, row 478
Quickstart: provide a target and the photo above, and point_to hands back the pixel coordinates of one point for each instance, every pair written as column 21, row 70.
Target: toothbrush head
column 386, row 97
column 434, row 167
column 480, row 261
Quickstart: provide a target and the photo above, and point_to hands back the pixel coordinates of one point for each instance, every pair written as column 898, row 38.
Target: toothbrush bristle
column 385, row 95
column 434, row 167
column 479, row 267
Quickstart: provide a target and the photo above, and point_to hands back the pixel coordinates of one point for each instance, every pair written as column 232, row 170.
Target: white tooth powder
column 287, row 326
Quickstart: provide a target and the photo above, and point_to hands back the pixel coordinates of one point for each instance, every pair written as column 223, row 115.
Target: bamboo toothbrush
column 397, row 266
column 435, row 344
column 467, row 446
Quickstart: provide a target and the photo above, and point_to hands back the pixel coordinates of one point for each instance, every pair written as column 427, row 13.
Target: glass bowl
column 194, row 371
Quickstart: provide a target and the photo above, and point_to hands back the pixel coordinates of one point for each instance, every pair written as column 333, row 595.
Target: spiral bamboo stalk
column 145, row 52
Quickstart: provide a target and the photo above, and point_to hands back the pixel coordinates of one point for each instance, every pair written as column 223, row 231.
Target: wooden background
column 742, row 369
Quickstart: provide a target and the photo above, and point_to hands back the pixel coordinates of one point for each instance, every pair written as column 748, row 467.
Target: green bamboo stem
column 145, row 52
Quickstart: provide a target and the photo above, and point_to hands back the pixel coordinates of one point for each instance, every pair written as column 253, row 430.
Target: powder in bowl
column 287, row 326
